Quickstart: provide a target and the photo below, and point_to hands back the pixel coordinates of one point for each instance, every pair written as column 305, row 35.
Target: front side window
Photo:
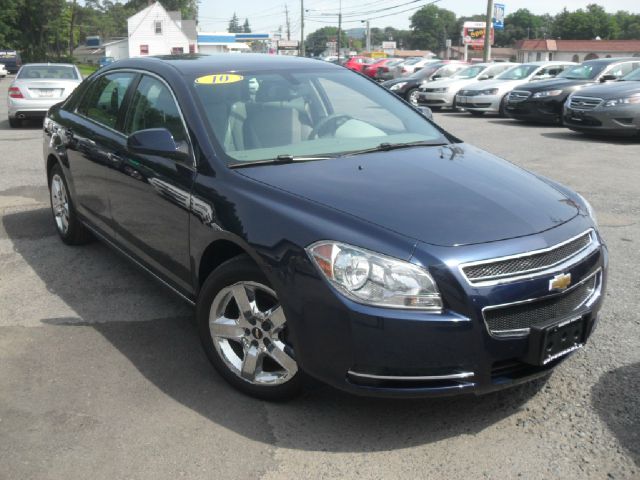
column 258, row 116
column 153, row 106
column 621, row 69
column 104, row 98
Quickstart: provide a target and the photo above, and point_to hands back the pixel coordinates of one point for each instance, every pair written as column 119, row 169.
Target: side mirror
column 425, row 111
column 485, row 77
column 608, row 78
column 436, row 77
column 154, row 141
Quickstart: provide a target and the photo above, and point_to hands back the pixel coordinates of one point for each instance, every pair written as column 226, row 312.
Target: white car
column 3, row 71
column 412, row 65
column 491, row 95
column 39, row 86
column 442, row 93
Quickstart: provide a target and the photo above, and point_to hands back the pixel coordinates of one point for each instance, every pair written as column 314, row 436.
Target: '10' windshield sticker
column 219, row 79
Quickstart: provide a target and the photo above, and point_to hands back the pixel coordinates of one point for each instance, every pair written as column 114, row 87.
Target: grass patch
column 86, row 69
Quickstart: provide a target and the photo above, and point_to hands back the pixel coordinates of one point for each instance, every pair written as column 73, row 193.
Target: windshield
column 48, row 71
column 469, row 72
column 633, row 76
column 312, row 112
column 518, row 73
column 412, row 60
column 425, row 71
column 586, row 71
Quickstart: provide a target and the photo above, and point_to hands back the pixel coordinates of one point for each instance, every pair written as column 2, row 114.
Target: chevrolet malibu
column 323, row 228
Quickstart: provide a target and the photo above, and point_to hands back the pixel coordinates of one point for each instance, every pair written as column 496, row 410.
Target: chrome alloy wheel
column 60, row 203
column 247, row 325
column 413, row 97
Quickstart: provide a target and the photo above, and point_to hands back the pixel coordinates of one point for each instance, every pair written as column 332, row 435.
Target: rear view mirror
column 426, row 111
column 154, row 141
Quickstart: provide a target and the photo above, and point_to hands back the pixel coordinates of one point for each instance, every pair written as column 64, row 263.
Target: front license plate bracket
column 551, row 342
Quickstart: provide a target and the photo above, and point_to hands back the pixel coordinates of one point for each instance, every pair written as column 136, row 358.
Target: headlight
column 590, row 210
column 489, row 91
column 547, row 93
column 375, row 279
column 632, row 99
column 397, row 86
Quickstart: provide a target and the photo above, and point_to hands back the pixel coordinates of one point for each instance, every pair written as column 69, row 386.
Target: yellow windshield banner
column 219, row 79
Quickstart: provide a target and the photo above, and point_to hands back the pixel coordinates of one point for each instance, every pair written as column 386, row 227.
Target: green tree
column 246, row 28
column 234, row 25
column 316, row 42
column 628, row 25
column 585, row 24
column 431, row 26
column 10, row 34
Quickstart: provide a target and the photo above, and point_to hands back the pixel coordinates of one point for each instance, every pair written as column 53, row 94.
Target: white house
column 154, row 31
column 116, row 48
column 574, row 50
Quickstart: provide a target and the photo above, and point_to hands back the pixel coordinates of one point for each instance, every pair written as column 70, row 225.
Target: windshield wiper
column 281, row 160
column 385, row 147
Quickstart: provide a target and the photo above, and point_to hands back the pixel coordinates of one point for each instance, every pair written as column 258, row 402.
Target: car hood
column 611, row 90
column 451, row 83
column 431, row 194
column 500, row 84
column 554, row 84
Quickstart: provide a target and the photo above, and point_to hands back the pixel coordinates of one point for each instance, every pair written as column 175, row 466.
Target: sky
column 268, row 15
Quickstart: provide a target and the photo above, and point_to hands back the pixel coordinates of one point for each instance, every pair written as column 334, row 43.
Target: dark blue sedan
column 324, row 228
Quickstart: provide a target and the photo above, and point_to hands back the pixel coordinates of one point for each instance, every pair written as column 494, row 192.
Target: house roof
column 579, row 45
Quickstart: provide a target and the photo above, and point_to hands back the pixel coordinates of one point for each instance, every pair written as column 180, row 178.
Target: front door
column 150, row 201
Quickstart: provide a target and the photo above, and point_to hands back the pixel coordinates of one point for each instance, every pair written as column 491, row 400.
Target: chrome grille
column 519, row 96
column 517, row 319
column 526, row 263
column 584, row 103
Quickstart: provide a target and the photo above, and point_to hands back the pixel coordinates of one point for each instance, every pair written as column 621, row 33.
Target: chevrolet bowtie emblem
column 560, row 282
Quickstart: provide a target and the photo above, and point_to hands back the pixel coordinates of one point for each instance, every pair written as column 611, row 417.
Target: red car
column 357, row 63
column 375, row 69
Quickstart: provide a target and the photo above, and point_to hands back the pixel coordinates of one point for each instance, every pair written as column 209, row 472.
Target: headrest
column 273, row 91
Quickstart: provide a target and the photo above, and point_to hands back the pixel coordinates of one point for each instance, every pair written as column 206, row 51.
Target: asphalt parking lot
column 102, row 375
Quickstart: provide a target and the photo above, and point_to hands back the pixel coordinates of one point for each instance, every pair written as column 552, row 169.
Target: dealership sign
column 473, row 33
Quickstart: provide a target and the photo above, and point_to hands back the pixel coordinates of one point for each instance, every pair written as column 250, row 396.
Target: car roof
column 48, row 65
column 607, row 61
column 197, row 64
column 550, row 62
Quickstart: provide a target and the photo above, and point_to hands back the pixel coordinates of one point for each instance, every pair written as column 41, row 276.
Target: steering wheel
column 329, row 124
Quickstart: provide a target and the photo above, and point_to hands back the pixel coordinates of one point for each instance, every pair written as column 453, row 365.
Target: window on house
column 192, row 48
column 177, row 50
column 157, row 25
column 144, row 49
column 538, row 56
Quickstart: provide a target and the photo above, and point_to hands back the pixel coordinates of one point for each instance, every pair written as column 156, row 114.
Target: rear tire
column 244, row 332
column 68, row 225
column 14, row 122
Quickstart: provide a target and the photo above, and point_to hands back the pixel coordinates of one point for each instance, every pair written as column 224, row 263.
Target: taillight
column 14, row 92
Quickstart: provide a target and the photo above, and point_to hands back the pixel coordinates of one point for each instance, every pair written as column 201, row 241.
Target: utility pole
column 286, row 14
column 339, row 29
column 368, row 37
column 302, row 53
column 487, row 31
column 71, row 27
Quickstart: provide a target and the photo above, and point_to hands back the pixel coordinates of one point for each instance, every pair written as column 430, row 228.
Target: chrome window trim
column 194, row 163
column 520, row 332
column 578, row 256
column 452, row 376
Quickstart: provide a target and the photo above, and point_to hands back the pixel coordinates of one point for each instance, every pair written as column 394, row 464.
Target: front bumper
column 398, row 353
column 619, row 121
column 435, row 99
column 547, row 110
column 30, row 108
column 479, row 103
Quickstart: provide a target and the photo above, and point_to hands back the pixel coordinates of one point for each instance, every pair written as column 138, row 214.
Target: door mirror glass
column 485, row 77
column 154, row 141
column 608, row 78
column 426, row 111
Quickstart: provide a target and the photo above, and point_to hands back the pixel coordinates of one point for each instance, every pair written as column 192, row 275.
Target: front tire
column 412, row 96
column 68, row 226
column 244, row 332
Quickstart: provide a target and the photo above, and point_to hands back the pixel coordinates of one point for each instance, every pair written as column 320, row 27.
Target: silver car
column 39, row 86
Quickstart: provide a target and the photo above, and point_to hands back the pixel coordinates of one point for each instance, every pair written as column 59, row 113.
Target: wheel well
column 51, row 161
column 215, row 255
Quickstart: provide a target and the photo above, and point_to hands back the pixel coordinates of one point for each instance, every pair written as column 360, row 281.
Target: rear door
column 151, row 197
column 93, row 136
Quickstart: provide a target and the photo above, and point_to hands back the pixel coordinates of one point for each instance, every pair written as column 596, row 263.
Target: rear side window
column 104, row 98
column 153, row 106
